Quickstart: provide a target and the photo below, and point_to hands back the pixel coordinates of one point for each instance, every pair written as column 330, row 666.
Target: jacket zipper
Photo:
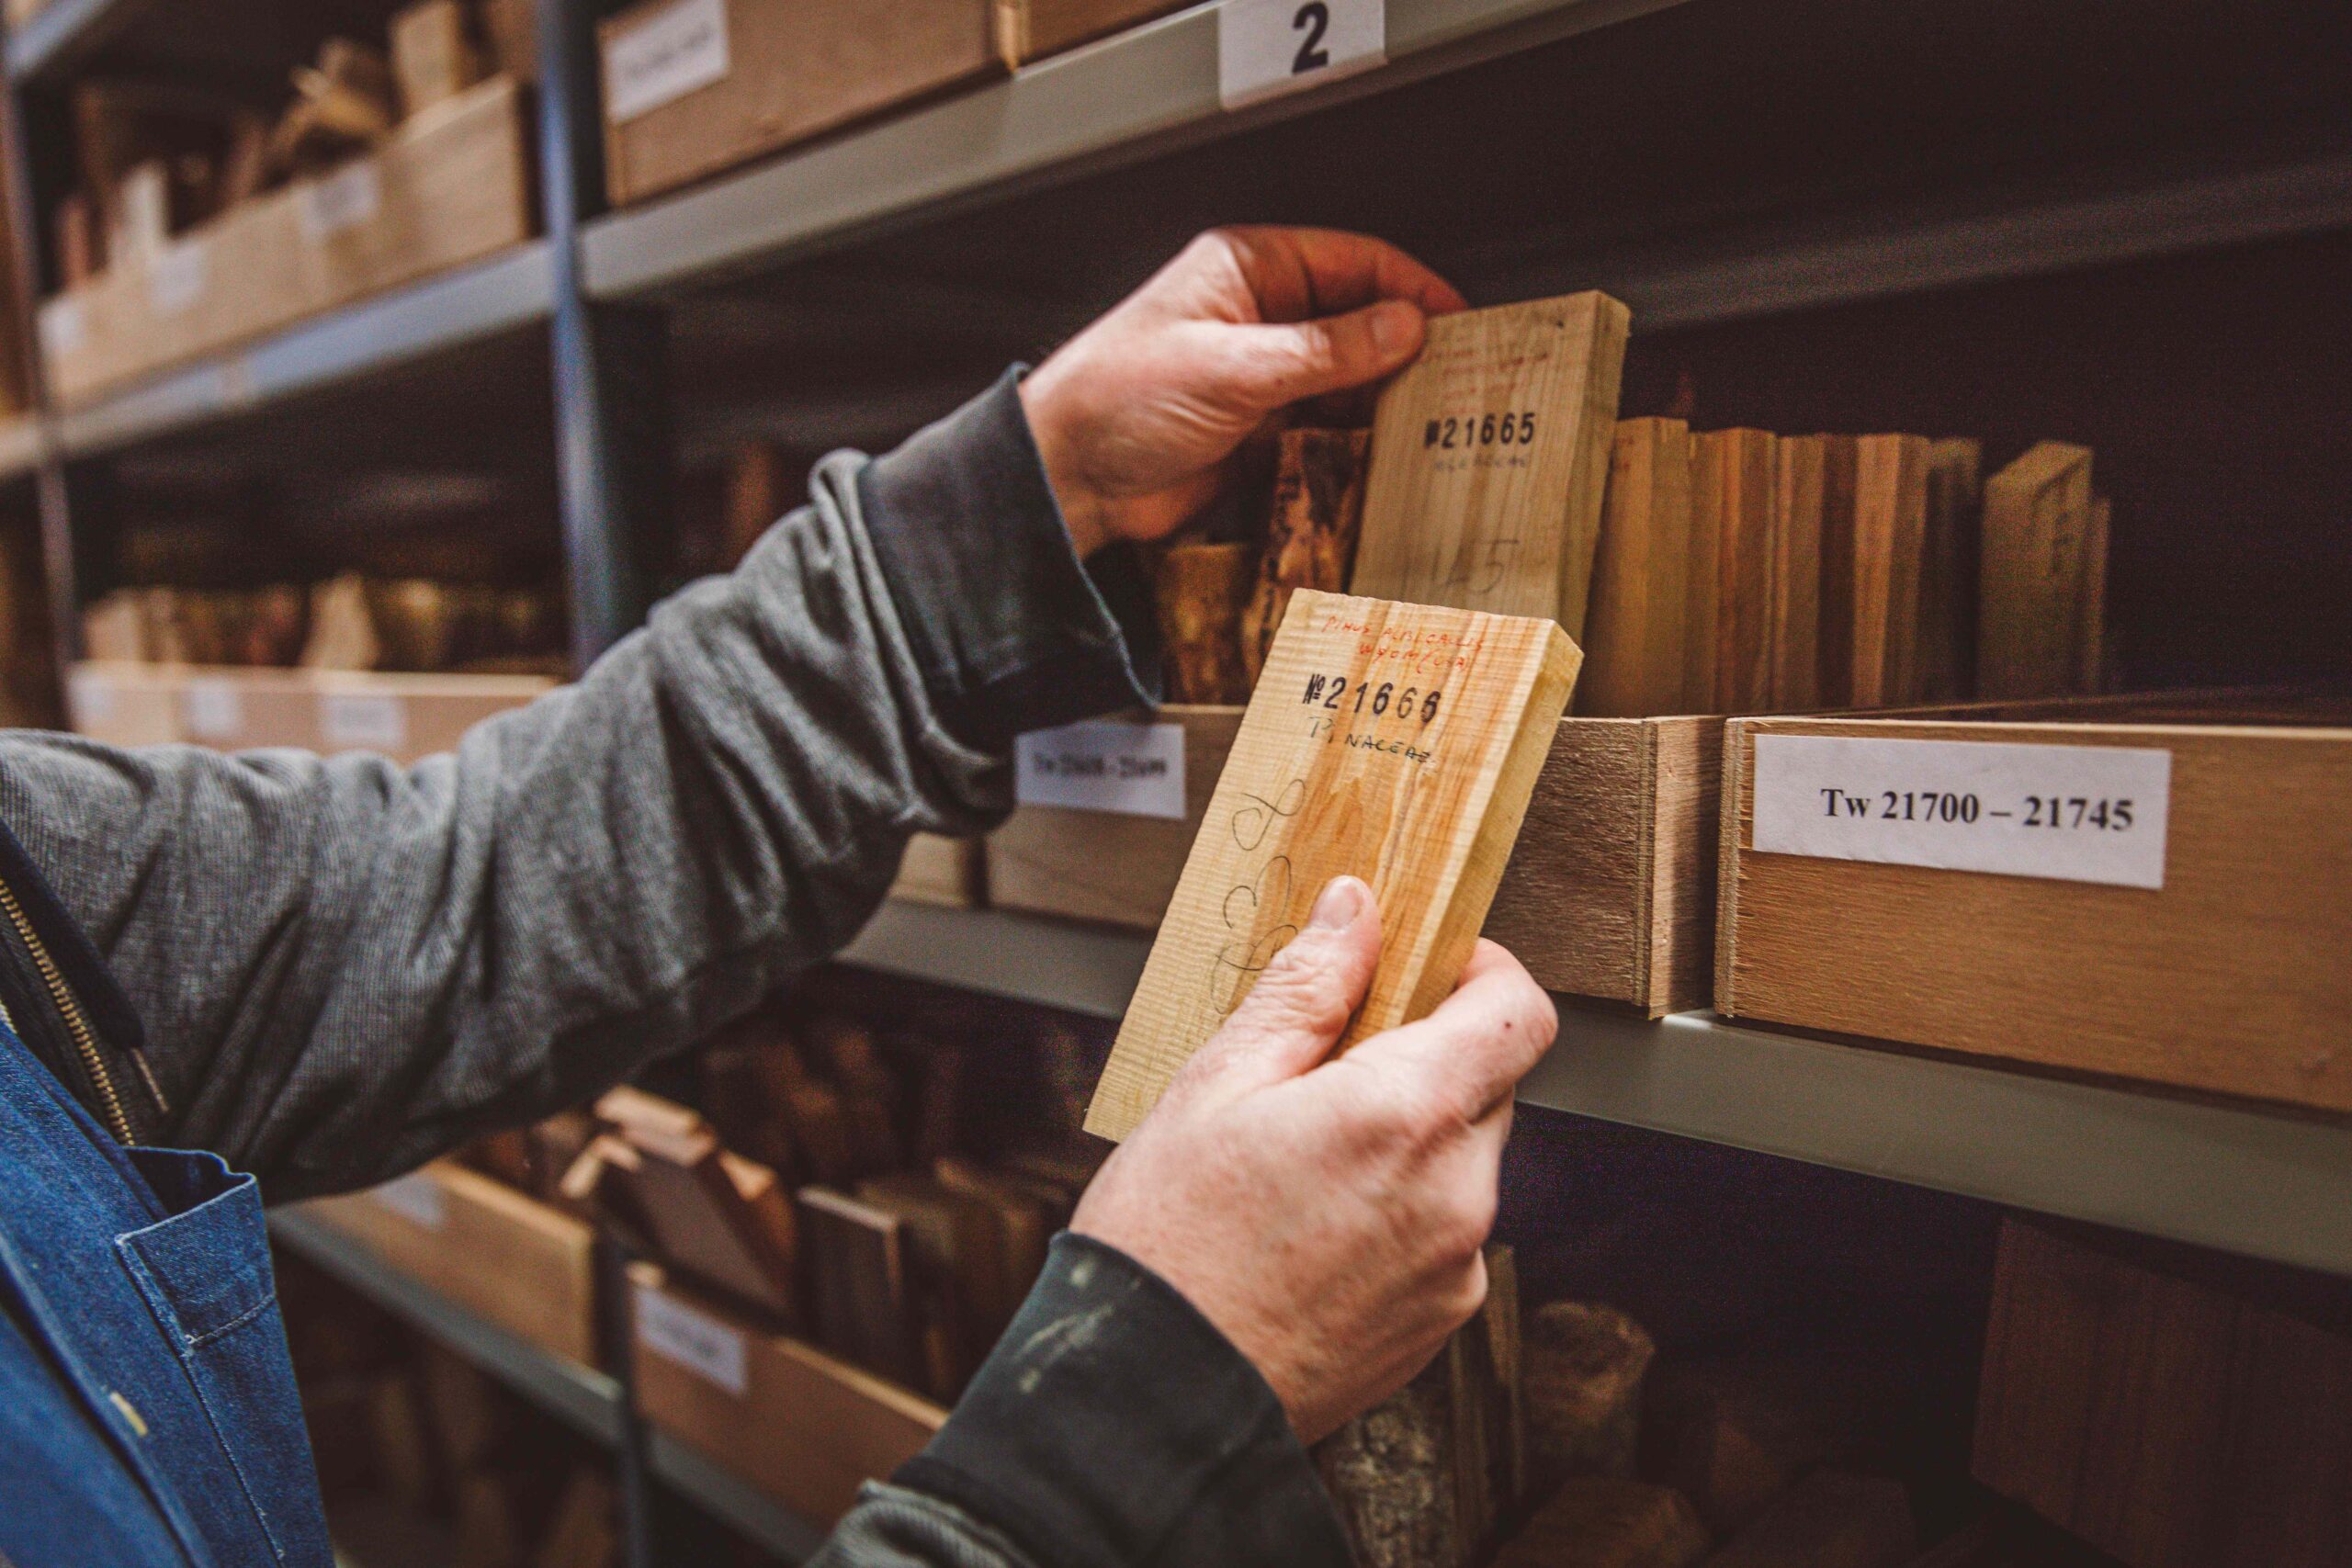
column 86, row 1043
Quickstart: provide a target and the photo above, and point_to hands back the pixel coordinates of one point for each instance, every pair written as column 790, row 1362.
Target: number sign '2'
column 1267, row 48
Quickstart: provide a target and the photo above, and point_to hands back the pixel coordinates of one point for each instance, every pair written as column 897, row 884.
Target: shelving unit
column 890, row 268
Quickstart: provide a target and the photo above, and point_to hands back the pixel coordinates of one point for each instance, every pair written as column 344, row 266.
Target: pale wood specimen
column 1840, row 473
column 1490, row 455
column 1731, row 503
column 1585, row 1363
column 1397, row 743
column 1310, row 532
column 1634, row 638
column 1601, row 1521
column 2091, row 661
column 1203, row 592
column 2037, row 527
column 432, row 56
column 2229, row 978
column 1832, row 1518
column 1800, row 477
column 1890, row 532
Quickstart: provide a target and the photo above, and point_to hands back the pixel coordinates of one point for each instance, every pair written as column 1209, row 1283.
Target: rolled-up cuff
column 1114, row 1425
column 1012, row 631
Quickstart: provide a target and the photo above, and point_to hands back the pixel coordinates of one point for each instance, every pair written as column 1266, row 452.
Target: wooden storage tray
column 949, row 872
column 2231, row 977
column 1032, row 29
column 795, row 1424
column 784, row 71
column 404, row 717
column 1610, row 893
column 452, row 186
column 505, row 1257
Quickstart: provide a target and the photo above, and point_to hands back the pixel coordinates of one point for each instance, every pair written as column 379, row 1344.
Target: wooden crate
column 452, row 186
column 1032, row 30
column 507, row 1257
column 794, row 1423
column 694, row 86
column 236, row 709
column 2231, row 976
column 949, row 872
column 1610, row 893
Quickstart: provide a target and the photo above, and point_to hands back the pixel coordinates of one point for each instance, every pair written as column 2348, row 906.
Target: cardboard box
column 402, row 717
column 1609, row 892
column 791, row 1421
column 2226, row 972
column 508, row 1259
column 452, row 186
column 694, row 86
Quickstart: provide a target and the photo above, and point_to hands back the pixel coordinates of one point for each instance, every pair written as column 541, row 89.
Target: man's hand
column 1136, row 415
column 1327, row 1216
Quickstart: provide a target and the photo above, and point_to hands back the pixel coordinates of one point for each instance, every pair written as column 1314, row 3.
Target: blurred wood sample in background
column 2037, row 524
column 1635, row 627
column 1601, row 1521
column 1731, row 497
column 1203, row 592
column 1947, row 637
column 1801, row 467
column 1310, row 531
column 433, row 55
column 1830, row 1519
column 1584, row 1365
column 1889, row 527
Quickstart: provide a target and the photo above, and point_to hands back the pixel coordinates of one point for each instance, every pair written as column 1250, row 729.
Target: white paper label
column 1267, row 48
column 416, row 1198
column 2069, row 813
column 91, row 697
column 1104, row 765
column 178, row 278
column 344, row 199
column 366, row 721
column 664, row 58
column 211, row 709
column 695, row 1340
column 64, row 329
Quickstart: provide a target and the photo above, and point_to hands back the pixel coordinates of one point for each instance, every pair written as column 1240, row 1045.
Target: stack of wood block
column 829, row 1194
column 350, row 622
column 1561, row 1441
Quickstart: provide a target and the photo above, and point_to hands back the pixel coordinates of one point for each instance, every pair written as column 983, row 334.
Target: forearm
column 345, row 966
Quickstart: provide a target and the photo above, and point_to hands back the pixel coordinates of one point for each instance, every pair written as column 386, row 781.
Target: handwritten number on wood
column 1314, row 18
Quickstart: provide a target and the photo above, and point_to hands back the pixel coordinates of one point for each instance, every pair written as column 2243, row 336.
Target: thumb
column 1291, row 361
column 1301, row 1004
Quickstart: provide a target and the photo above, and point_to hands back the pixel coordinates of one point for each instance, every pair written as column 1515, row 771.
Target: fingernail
column 1394, row 326
column 1339, row 903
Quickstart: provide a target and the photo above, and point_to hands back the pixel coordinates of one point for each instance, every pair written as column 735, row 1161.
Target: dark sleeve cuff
column 1114, row 1425
column 1012, row 631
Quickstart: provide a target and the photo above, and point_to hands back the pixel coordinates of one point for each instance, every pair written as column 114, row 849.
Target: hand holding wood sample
column 1394, row 742
column 1488, row 457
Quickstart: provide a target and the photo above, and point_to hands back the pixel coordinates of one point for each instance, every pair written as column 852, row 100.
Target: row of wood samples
column 695, row 87
column 1741, row 572
column 417, row 624
column 152, row 280
column 2228, row 978
column 2175, row 1409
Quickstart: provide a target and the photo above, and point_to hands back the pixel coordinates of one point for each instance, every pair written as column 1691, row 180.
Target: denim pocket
column 206, row 1275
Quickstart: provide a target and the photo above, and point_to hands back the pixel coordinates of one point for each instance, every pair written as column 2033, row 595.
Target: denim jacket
column 330, row 970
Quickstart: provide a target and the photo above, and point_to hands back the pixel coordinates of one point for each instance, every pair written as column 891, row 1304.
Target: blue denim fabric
column 148, row 1413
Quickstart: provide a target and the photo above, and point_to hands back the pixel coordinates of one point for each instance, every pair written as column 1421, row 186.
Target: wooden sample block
column 1310, row 530
column 683, row 99
column 1599, row 1521
column 1397, row 743
column 1880, row 560
column 433, row 58
column 1948, row 570
column 2226, row 978
column 718, row 1216
column 949, row 872
column 863, row 1304
column 1830, row 1519
column 2175, row 1409
column 1585, row 1363
column 2029, row 590
column 1490, row 455
column 1204, row 591
column 2091, row 656
column 1732, row 502
column 1032, row 29
column 1800, row 476
column 1634, row 640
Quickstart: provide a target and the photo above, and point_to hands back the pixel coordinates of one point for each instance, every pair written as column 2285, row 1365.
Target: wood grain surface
column 1490, row 455
column 1634, row 636
column 2037, row 519
column 1397, row 743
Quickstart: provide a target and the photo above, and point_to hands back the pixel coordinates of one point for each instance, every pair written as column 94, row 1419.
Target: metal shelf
column 1143, row 91
column 586, row 1399
column 507, row 292
column 2240, row 1179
